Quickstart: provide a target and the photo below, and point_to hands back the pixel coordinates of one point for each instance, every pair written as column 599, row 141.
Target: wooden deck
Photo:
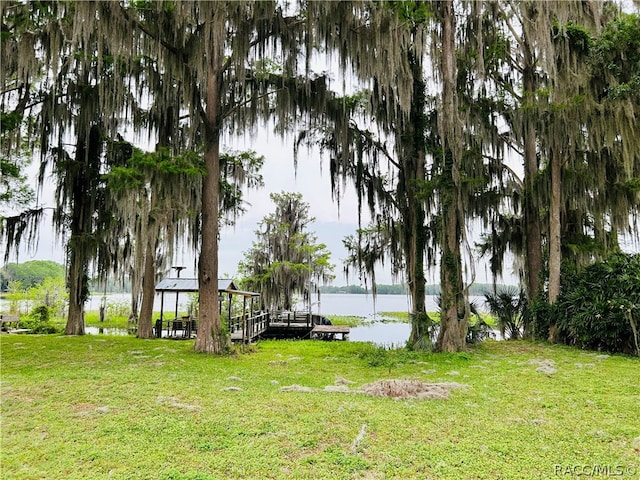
column 292, row 325
column 329, row 332
column 285, row 330
column 246, row 329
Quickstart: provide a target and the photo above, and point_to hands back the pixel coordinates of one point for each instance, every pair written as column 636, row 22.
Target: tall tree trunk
column 555, row 235
column 77, row 281
column 78, row 261
column 454, row 311
column 453, row 303
column 555, row 228
column 211, row 338
column 415, row 235
column 420, row 323
column 81, row 246
column 533, row 232
column 145, row 322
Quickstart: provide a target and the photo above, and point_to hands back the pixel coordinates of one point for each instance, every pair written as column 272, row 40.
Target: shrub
column 507, row 305
column 478, row 329
column 38, row 321
column 599, row 306
column 537, row 318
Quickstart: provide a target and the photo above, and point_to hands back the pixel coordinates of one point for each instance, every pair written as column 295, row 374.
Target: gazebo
column 188, row 324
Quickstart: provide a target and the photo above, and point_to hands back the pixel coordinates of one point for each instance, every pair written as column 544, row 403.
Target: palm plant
column 507, row 305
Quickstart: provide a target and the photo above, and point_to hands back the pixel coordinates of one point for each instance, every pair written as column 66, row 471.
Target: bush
column 478, row 329
column 599, row 306
column 38, row 321
column 507, row 305
column 537, row 318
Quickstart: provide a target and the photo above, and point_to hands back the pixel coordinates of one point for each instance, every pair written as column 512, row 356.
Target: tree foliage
column 286, row 259
column 507, row 306
column 445, row 89
column 31, row 273
column 599, row 305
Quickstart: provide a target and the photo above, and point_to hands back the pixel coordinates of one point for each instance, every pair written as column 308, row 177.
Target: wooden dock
column 247, row 328
column 329, row 332
column 291, row 325
column 262, row 325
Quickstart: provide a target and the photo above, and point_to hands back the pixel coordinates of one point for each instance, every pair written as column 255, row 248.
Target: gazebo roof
column 177, row 285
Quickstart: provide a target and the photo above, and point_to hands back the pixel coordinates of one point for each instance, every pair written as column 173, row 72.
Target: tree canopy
column 30, row 273
column 286, row 260
column 519, row 117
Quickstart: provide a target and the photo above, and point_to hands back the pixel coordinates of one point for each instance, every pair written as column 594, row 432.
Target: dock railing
column 299, row 319
column 296, row 318
column 247, row 327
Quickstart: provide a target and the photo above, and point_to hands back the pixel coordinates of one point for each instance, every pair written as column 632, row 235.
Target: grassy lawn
column 98, row 407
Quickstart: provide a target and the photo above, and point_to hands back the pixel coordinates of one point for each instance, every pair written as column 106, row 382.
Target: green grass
column 399, row 317
column 97, row 407
column 92, row 319
column 347, row 320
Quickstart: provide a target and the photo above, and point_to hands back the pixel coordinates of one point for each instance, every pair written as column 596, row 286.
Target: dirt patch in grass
column 175, row 403
column 297, row 388
column 400, row 389
column 545, row 366
column 391, row 388
column 278, row 363
column 231, row 389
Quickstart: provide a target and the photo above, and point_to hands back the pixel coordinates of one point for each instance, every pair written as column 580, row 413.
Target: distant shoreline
column 477, row 289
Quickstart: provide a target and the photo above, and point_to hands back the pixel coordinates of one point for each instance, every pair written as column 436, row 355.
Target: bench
column 9, row 324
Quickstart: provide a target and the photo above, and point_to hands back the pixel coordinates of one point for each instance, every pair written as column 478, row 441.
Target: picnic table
column 183, row 327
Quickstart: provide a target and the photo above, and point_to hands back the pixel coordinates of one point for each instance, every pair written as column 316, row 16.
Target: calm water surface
column 330, row 304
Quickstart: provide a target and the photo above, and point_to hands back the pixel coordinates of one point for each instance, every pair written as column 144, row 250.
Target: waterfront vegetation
column 92, row 319
column 99, row 406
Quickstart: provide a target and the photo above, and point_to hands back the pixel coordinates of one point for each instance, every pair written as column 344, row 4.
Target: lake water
column 330, row 304
column 384, row 334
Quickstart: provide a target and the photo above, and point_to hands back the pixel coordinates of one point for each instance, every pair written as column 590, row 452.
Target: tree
column 544, row 47
column 412, row 179
column 156, row 195
column 454, row 307
column 16, row 93
column 581, row 148
column 285, row 259
column 230, row 90
column 31, row 273
column 377, row 141
column 79, row 99
column 15, row 191
column 158, row 198
column 22, row 25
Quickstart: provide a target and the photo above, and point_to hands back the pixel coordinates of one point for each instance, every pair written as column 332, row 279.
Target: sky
column 332, row 224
